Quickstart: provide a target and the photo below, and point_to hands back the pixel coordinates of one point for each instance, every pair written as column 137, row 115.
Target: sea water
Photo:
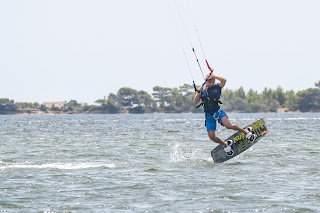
column 155, row 163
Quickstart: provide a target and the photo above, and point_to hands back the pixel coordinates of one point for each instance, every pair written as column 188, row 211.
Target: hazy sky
column 60, row 50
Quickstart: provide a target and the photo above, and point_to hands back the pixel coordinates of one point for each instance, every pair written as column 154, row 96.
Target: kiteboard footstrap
column 250, row 136
column 229, row 151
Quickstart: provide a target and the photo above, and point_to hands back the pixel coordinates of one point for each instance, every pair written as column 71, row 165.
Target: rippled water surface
column 155, row 163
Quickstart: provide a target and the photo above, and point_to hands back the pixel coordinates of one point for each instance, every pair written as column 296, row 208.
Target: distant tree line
column 179, row 100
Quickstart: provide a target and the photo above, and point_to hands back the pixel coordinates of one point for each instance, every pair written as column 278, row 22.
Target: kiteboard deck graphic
column 240, row 143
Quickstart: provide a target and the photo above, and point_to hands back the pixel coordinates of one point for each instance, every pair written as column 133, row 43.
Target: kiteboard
column 240, row 143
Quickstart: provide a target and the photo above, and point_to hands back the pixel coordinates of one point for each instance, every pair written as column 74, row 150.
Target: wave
column 177, row 120
column 292, row 119
column 62, row 166
column 179, row 154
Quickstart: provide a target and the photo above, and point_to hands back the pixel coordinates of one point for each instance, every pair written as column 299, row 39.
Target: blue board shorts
column 211, row 119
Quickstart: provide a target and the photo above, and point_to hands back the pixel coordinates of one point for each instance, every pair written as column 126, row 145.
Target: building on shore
column 57, row 104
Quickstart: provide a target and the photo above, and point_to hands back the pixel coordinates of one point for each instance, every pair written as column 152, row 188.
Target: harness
column 205, row 102
column 208, row 101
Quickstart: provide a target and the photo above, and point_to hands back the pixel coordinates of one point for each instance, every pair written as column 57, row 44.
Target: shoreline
column 51, row 112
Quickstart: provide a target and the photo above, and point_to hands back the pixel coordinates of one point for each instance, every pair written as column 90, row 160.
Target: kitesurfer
column 210, row 94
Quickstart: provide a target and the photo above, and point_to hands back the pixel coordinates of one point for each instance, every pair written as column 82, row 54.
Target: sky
column 62, row 50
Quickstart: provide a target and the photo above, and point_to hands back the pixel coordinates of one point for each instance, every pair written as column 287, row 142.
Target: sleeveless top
column 211, row 98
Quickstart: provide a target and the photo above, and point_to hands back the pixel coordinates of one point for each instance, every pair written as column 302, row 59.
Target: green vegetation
column 178, row 100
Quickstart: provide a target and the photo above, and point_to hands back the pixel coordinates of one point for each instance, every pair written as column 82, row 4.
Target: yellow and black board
column 240, row 142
